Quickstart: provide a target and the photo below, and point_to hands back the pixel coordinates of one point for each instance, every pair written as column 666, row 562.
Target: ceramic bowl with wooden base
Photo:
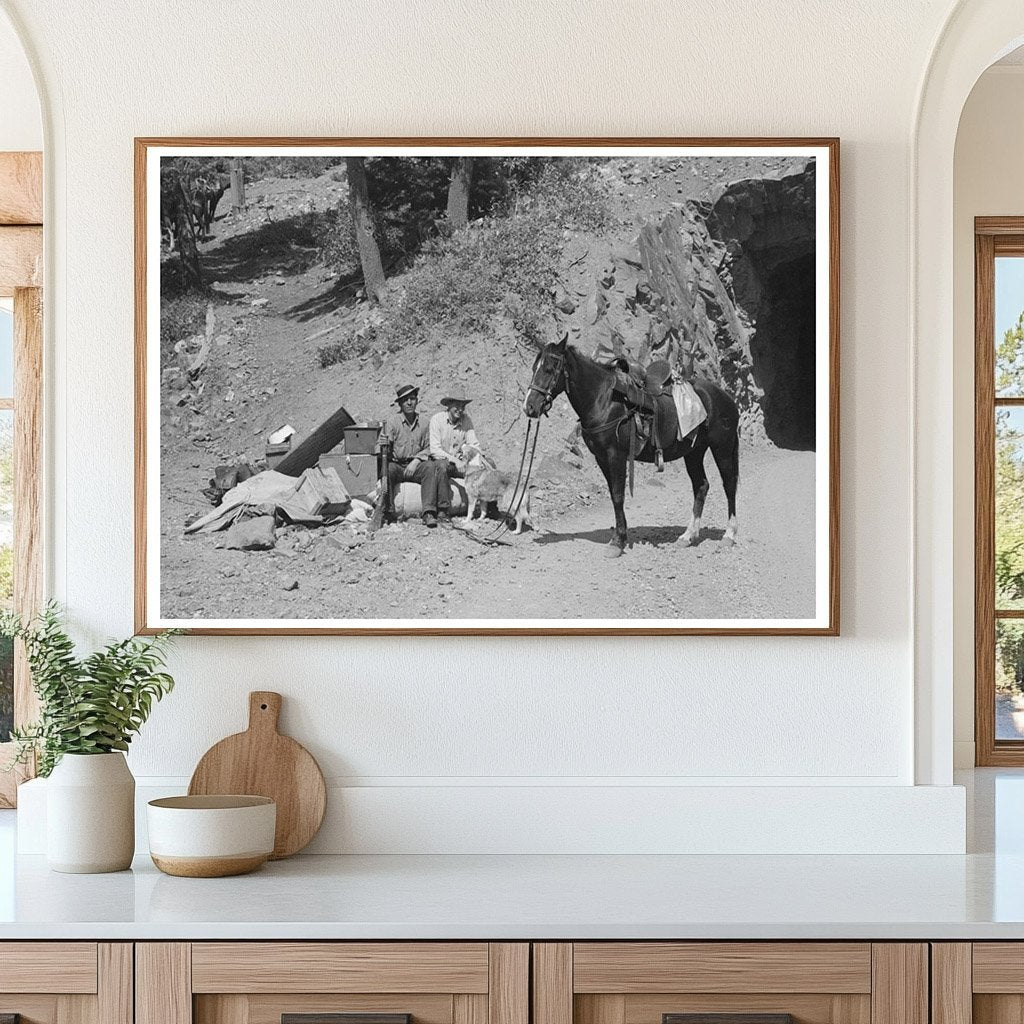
column 211, row 836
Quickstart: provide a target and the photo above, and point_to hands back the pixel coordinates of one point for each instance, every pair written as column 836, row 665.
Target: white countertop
column 516, row 897
column 977, row 896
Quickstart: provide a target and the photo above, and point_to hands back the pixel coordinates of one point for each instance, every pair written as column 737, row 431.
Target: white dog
column 485, row 482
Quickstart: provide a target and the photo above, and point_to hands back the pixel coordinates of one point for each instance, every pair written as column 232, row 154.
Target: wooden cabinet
column 978, row 983
column 758, row 982
column 306, row 982
column 66, row 982
column 494, row 983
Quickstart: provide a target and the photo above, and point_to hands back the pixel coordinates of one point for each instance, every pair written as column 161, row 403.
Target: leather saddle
column 647, row 390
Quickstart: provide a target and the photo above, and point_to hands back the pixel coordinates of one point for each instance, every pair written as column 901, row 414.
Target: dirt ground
column 273, row 308
column 557, row 570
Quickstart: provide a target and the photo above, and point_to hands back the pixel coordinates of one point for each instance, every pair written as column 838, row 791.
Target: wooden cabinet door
column 66, row 982
column 978, row 983
column 332, row 983
column 730, row 983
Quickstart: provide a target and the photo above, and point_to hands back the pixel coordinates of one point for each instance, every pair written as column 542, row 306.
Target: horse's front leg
column 613, row 465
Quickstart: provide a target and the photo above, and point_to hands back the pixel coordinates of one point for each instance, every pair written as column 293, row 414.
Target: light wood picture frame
column 259, row 310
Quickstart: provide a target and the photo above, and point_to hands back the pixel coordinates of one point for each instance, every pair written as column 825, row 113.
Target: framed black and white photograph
column 499, row 386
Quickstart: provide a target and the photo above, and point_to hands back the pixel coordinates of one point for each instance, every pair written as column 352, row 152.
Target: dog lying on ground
column 486, row 483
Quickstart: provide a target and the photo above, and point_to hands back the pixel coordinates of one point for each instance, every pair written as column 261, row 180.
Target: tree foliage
column 503, row 268
column 1009, row 473
column 90, row 705
column 1009, row 507
column 1010, row 360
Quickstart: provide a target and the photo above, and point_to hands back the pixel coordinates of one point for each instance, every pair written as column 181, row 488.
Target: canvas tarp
column 269, row 493
column 689, row 408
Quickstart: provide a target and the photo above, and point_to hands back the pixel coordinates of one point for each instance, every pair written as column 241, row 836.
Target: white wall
column 21, row 127
column 987, row 182
column 432, row 716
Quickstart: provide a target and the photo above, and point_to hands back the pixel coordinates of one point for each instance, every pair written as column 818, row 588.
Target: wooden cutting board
column 262, row 762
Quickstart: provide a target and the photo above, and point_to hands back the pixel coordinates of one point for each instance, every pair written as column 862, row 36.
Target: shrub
column 180, row 317
column 330, row 354
column 569, row 192
column 460, row 284
column 338, row 247
column 257, row 167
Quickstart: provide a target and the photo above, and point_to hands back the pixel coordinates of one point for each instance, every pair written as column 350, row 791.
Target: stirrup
column 659, row 461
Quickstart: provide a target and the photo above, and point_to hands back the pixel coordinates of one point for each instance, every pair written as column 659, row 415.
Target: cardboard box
column 358, row 473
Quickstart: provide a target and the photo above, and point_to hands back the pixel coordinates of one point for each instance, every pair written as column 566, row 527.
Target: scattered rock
column 292, row 584
column 251, row 534
column 563, row 302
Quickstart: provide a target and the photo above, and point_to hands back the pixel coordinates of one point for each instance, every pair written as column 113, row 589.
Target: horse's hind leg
column 699, row 479
column 727, row 459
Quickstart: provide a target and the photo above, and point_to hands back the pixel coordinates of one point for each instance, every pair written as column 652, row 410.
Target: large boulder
column 251, row 534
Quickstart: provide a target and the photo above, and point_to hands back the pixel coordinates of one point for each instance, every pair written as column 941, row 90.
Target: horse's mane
column 588, row 360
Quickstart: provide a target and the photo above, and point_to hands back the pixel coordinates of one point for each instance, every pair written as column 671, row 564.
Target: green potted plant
column 89, row 710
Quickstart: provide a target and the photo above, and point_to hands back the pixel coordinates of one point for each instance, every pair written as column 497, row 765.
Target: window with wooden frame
column 21, row 365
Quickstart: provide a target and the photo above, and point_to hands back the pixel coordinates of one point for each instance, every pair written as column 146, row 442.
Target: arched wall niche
column 976, row 34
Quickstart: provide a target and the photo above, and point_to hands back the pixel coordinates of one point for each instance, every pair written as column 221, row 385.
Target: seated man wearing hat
column 409, row 435
column 449, row 431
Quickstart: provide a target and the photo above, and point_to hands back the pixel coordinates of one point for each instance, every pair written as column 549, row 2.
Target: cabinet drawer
column 751, row 967
column 340, row 967
column 65, row 967
column 332, row 983
column 730, row 983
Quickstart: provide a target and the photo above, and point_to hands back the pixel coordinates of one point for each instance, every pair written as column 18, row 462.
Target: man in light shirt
column 408, row 434
column 449, row 431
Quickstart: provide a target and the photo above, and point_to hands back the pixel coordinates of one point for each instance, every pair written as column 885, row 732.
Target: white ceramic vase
column 90, row 814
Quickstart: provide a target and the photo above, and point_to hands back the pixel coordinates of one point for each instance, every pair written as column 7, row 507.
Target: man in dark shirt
column 409, row 435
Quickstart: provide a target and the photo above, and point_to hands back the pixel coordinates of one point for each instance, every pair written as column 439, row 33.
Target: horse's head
column 548, row 380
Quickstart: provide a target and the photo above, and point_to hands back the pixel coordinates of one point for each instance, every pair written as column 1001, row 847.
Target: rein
column 511, row 512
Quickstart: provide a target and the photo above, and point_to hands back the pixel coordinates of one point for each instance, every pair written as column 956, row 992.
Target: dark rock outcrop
column 726, row 289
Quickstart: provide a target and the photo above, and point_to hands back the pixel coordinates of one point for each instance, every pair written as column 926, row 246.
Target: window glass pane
column 1009, row 532
column 6, row 352
column 6, row 567
column 1009, row 679
column 1009, row 317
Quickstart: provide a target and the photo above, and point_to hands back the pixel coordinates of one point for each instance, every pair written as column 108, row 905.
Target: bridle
column 553, row 366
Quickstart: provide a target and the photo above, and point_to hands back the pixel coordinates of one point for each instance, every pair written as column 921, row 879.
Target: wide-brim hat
column 456, row 399
column 402, row 393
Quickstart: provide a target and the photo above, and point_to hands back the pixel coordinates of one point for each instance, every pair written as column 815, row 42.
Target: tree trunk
column 362, row 221
column 458, row 192
column 237, row 185
column 186, row 230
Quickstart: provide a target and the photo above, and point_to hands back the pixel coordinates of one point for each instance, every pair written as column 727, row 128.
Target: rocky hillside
column 711, row 257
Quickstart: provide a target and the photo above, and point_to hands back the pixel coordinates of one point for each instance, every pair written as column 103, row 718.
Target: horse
column 604, row 422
